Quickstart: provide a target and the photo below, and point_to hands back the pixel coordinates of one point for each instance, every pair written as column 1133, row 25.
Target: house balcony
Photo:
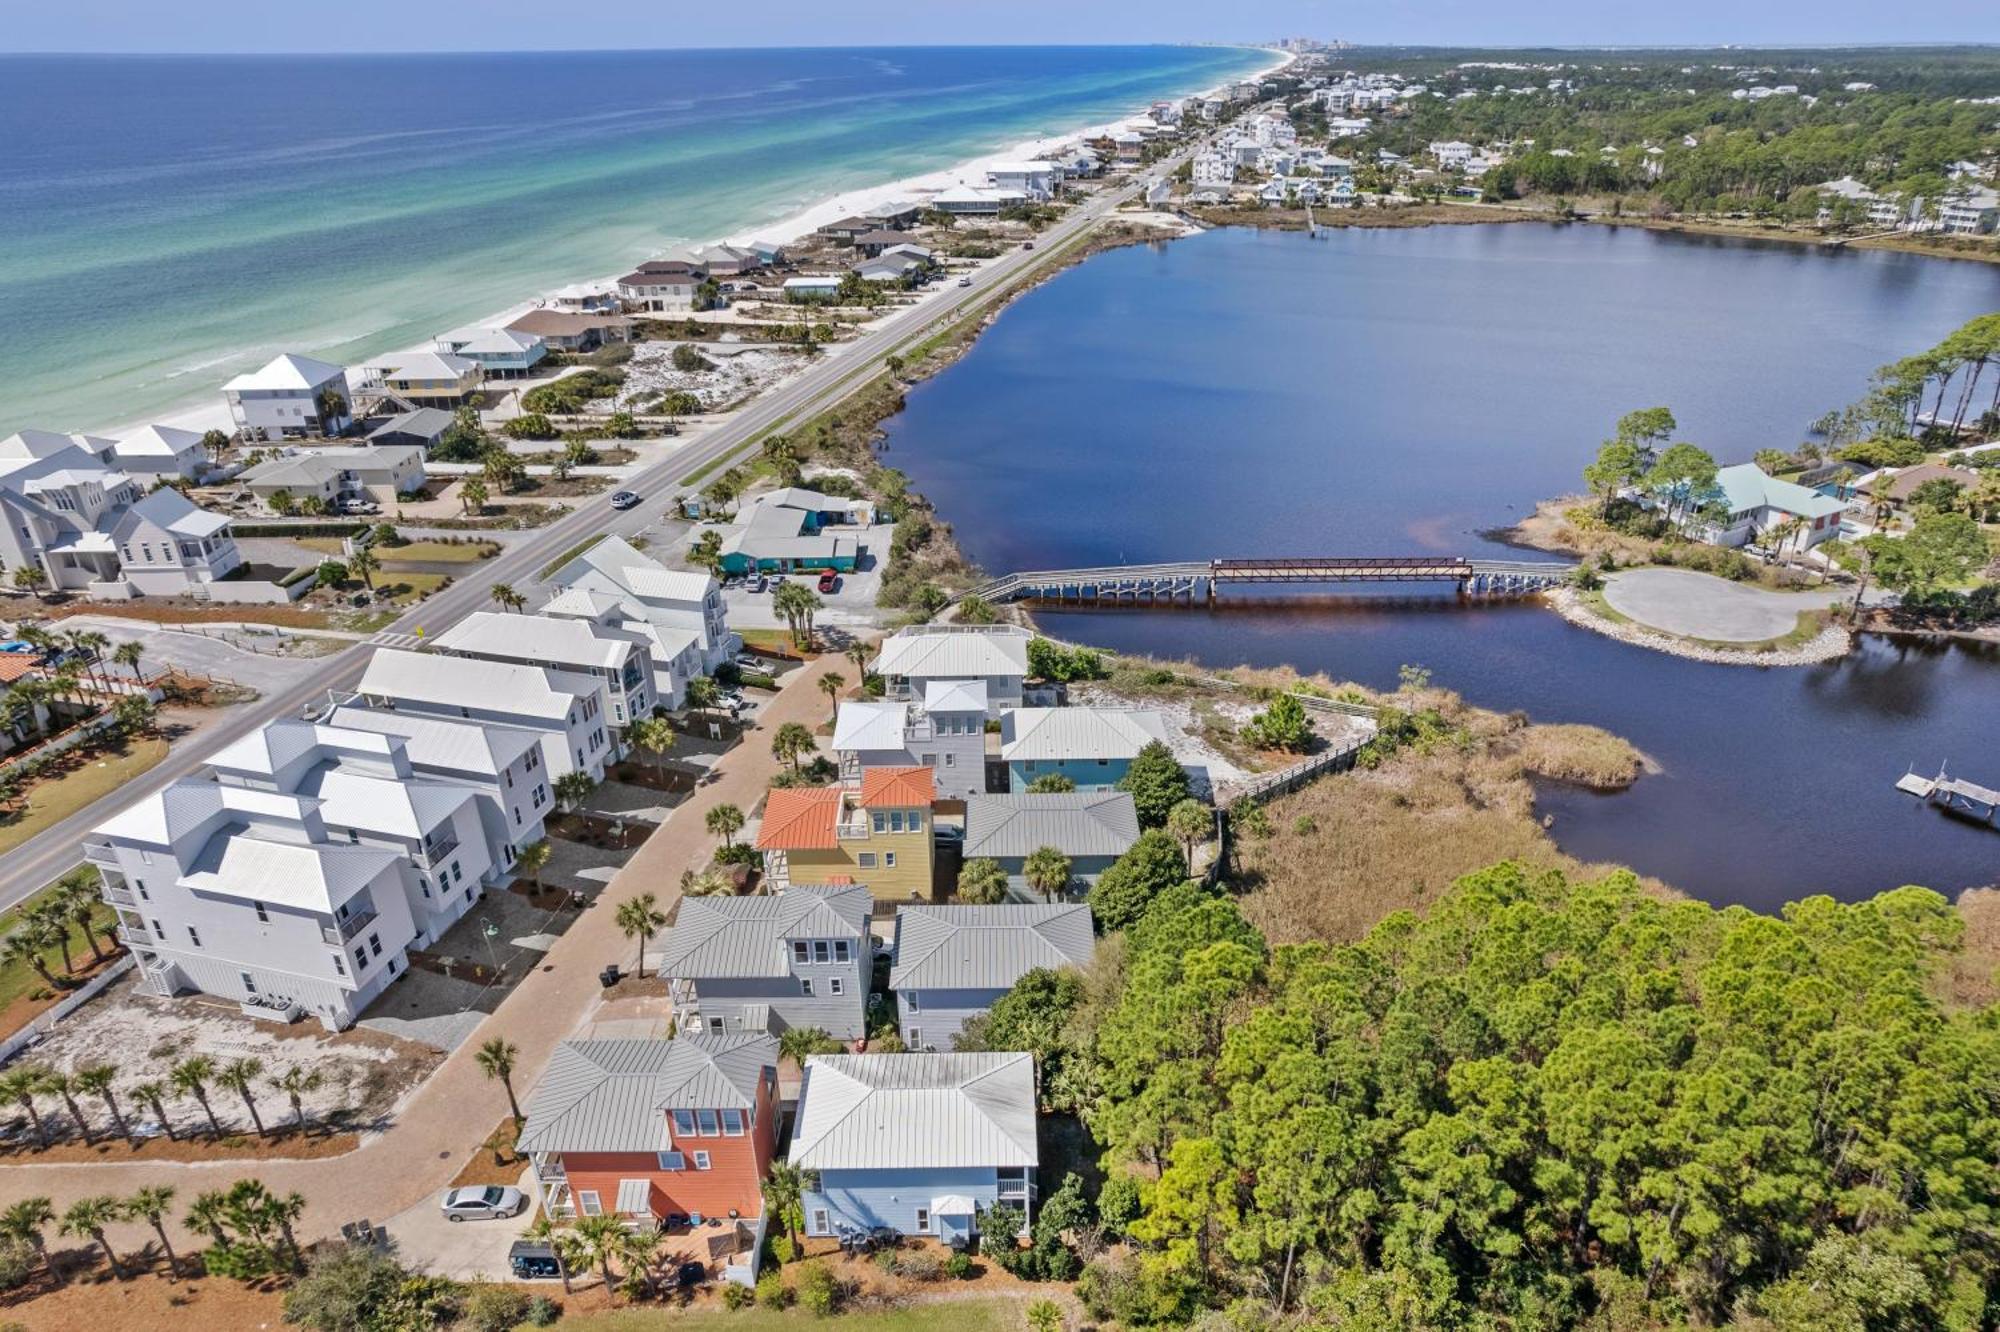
column 853, row 831
column 100, row 852
column 120, row 895
column 340, row 932
column 135, row 934
column 437, row 850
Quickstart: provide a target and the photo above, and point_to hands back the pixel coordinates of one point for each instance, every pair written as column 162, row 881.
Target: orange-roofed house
column 877, row 834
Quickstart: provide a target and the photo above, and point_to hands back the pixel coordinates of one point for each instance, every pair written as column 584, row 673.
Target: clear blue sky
column 377, row 25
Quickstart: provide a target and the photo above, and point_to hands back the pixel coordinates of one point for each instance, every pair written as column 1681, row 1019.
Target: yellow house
column 878, row 835
column 433, row 379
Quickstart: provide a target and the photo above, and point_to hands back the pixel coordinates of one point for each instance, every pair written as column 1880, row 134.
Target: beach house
column 1037, row 180
column 659, row 285
column 995, row 656
column 1092, row 747
column 944, row 731
column 573, row 330
column 920, row 1143
column 570, row 712
column 877, row 833
column 501, row 765
column 432, row 379
column 1759, row 506
column 422, row 428
column 379, row 473
column 570, row 644
column 949, row 964
column 1091, row 829
column 160, row 452
column 671, row 1134
column 500, row 353
column 680, row 611
column 1897, row 487
column 800, row 958
column 167, row 546
column 290, row 396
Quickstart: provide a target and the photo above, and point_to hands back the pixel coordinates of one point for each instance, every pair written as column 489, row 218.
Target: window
column 588, row 1202
column 821, row 1223
column 881, row 823
column 895, row 820
column 263, row 916
column 158, row 933
column 360, row 960
column 672, row 1161
column 375, row 945
column 839, row 986
column 140, row 885
column 732, row 1123
column 684, row 1123
column 709, row 1127
column 799, row 951
column 951, row 760
column 820, row 951
column 923, row 1220
column 840, row 953
column 888, row 860
column 806, row 986
column 194, row 936
column 866, row 860
column 249, row 982
column 701, row 1160
column 339, row 965
column 910, row 1004
column 916, row 1041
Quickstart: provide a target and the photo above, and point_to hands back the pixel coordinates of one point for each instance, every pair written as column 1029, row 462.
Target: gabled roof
column 495, row 686
column 164, row 817
column 958, row 653
column 916, row 1111
column 986, row 947
column 443, row 745
column 289, row 371
column 886, row 788
column 1057, row 734
column 543, row 639
column 429, row 365
column 1076, row 823
column 158, row 441
column 871, row 726
column 424, row 423
column 614, row 1096
column 1745, row 486
column 48, row 443
column 581, row 602
column 639, row 575
column 174, row 512
column 563, row 324
column 800, row 818
column 382, row 804
column 726, row 938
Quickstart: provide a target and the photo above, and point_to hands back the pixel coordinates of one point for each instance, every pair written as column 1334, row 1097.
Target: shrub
column 533, row 425
column 1157, row 782
column 889, row 1261
column 17, row 1263
column 737, row 1297
column 819, row 1291
column 689, row 360
column 958, row 1266
column 1123, row 892
column 781, row 1249
column 772, row 1292
column 491, row 1308
column 923, row 1265
column 359, row 1288
column 542, row 1312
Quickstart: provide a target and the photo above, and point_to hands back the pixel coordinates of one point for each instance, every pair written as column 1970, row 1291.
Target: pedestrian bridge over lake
column 1201, row 580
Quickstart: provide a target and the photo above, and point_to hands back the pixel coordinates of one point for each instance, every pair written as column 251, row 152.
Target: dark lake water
column 1392, row 392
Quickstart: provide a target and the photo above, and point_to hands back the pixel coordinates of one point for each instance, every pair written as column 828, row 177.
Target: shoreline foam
column 209, row 412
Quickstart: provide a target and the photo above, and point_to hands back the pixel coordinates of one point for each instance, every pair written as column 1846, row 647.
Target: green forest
column 1545, row 1104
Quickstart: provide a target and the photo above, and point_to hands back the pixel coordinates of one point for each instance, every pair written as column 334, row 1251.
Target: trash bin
column 529, row 1260
column 609, row 976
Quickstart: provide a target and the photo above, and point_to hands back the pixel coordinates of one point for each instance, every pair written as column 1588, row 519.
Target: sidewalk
column 437, row 1129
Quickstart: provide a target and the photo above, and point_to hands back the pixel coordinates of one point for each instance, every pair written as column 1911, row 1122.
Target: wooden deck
column 1954, row 795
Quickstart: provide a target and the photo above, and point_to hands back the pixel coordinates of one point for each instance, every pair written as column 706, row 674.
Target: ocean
column 173, row 220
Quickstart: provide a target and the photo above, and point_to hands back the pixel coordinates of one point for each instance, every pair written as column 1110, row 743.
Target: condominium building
column 571, row 712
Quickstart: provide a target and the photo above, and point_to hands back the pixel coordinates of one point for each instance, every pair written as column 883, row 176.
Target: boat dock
column 1954, row 795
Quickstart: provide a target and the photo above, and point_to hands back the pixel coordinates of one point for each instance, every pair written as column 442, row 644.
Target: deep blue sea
column 172, row 220
column 1391, row 392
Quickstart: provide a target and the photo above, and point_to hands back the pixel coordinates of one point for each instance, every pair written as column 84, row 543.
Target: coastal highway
column 839, row 373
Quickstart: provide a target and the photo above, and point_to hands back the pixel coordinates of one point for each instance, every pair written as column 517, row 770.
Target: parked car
column 746, row 662
column 965, row 282
column 761, row 584
column 529, row 1260
column 482, row 1202
column 1027, row 245
column 829, row 581
column 624, row 499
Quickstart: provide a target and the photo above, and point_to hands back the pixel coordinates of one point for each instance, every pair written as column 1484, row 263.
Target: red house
column 676, row 1132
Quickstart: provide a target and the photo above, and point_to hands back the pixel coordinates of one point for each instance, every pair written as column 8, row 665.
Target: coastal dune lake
column 1386, row 392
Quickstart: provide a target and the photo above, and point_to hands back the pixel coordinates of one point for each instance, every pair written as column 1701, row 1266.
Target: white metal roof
column 955, row 696
column 722, row 938
column 310, row 876
column 859, row 725
column 383, row 804
column 429, row 365
column 158, row 441
column 494, row 686
column 440, row 744
column 1057, row 734
column 916, row 1111
column 615, row 1095
column 986, row 947
column 1076, row 823
column 288, row 371
column 174, row 512
column 544, row 639
column 957, row 653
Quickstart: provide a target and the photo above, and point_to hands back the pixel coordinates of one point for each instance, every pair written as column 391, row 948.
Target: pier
column 1954, row 795
column 1199, row 581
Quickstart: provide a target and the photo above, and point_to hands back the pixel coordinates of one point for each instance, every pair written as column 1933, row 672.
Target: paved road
column 1699, row 605
column 49, row 854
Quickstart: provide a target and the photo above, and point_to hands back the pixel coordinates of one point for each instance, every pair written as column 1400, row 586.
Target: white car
column 482, row 1202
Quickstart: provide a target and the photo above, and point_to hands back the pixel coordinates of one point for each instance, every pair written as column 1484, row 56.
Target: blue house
column 920, row 1143
column 1091, row 828
column 1091, row 746
column 951, row 963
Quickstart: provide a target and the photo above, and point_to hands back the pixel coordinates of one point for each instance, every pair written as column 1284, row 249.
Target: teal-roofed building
column 1759, row 505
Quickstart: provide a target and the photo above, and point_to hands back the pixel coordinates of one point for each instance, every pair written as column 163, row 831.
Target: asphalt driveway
column 1699, row 605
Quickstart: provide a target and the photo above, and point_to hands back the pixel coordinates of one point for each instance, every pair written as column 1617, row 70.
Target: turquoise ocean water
column 170, row 221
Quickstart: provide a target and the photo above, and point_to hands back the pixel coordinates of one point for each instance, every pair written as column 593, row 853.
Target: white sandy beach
column 209, row 412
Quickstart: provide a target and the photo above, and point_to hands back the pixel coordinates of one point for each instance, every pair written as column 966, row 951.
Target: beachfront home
column 661, row 285
column 160, row 452
column 872, row 243
column 291, row 396
column 996, row 656
column 168, row 547
column 973, row 201
column 570, row 712
column 894, row 267
column 787, row 531
column 800, row 958
column 583, row 298
column 1092, row 747
column 899, row 214
column 1758, row 505
column 876, row 833
column 950, row 964
column 565, row 643
column 680, row 611
column 920, row 1143
column 842, row 231
column 1037, row 180
column 573, row 330
column 944, row 731
column 336, row 475
column 657, row 1133
column 812, row 287
column 432, row 379
column 500, row 353
column 422, row 428
column 1091, row 828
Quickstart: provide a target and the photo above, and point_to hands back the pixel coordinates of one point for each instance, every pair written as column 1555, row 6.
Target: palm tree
column 91, row 644
column 545, row 1231
column 365, row 562
column 785, row 1186
column 78, row 896
column 21, row 1084
column 150, row 1205
column 496, row 1060
column 572, row 789
column 857, row 652
column 191, row 1077
column 797, row 602
column 331, row 408
column 208, row 1213
column 637, row 918
column 709, row 884
column 800, row 1043
column 153, row 1094
column 1047, row 871
column 982, row 882
column 239, row 1075
column 96, row 1081
column 284, row 1212
column 87, row 1217
column 58, row 1083
column 702, row 693
column 533, row 860
column 52, row 921
column 129, row 655
column 472, row 495
column 655, row 735
column 1189, row 822
column 602, row 1239
column 724, row 821
column 295, row 1082
column 506, row 598
column 29, row 943
column 791, row 743
column 829, row 684
column 26, row 1222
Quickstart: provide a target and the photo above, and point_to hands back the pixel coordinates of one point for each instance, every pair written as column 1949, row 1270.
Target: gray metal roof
column 1057, row 734
column 1076, row 823
column 986, row 947
column 723, row 938
column 613, row 1096
column 916, row 1111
